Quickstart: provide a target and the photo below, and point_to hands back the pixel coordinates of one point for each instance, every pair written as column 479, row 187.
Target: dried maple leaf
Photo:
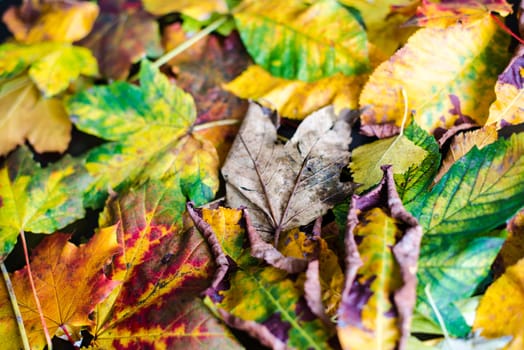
column 69, row 281
column 61, row 21
column 382, row 243
column 285, row 186
column 163, row 266
column 122, row 35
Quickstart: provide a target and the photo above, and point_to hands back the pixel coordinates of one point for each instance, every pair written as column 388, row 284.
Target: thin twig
column 35, row 295
column 16, row 309
column 209, row 125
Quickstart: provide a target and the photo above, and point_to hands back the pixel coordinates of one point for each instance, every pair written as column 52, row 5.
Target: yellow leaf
column 26, row 115
column 509, row 105
column 442, row 85
column 64, row 22
column 398, row 151
column 462, row 143
column 200, row 10
column 294, row 98
column 500, row 312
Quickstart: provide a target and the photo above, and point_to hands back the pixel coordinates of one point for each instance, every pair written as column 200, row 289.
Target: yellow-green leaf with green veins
column 26, row 115
column 398, row 151
column 294, row 40
column 38, row 200
column 200, row 10
column 296, row 99
column 149, row 126
column 447, row 74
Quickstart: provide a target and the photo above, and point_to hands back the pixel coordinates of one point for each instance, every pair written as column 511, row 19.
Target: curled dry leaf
column 285, row 186
column 382, row 243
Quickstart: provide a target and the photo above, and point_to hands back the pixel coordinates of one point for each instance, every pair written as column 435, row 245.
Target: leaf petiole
column 16, row 309
column 224, row 122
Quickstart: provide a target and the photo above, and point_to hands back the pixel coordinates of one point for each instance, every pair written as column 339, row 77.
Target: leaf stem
column 35, row 295
column 437, row 313
column 215, row 123
column 16, row 309
column 190, row 42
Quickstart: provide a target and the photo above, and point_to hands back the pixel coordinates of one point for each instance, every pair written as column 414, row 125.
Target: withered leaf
column 285, row 186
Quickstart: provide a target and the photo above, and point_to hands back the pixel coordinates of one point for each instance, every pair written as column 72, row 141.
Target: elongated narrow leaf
column 459, row 84
column 149, row 126
column 294, row 40
column 509, row 105
column 258, row 299
column 38, row 200
column 382, row 245
column 480, row 192
column 296, row 99
column 163, row 267
column 69, row 281
column 285, row 186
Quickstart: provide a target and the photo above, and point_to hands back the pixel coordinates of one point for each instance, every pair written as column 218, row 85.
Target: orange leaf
column 69, row 281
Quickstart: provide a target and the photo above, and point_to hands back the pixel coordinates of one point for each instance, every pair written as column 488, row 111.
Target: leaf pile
column 208, row 186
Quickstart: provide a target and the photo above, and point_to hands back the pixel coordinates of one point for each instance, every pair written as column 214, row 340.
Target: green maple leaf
column 149, row 127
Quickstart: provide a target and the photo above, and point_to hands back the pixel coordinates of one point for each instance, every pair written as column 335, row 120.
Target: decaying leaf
column 513, row 249
column 382, row 244
column 296, row 40
column 367, row 159
column 26, row 115
column 458, row 86
column 481, row 191
column 52, row 66
column 508, row 108
column 285, row 186
column 149, row 126
column 294, row 98
column 58, row 21
column 261, row 300
column 39, row 200
column 162, row 268
column 462, row 143
column 500, row 310
column 69, row 281
column 123, row 34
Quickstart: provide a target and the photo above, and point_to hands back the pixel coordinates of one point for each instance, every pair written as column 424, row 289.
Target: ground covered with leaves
column 227, row 174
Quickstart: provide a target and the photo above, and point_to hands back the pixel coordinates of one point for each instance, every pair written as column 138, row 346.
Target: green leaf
column 36, row 199
column 294, row 40
column 481, row 191
column 52, row 66
column 149, row 126
column 416, row 180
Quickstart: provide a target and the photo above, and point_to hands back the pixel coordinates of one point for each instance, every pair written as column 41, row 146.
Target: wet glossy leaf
column 508, row 108
column 500, row 310
column 458, row 87
column 36, row 199
column 123, row 34
column 294, row 98
column 69, row 281
column 52, row 66
column 260, row 300
column 149, row 126
column 53, row 21
column 285, row 186
column 163, row 267
column 28, row 116
column 367, row 159
column 479, row 192
column 382, row 243
column 294, row 40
